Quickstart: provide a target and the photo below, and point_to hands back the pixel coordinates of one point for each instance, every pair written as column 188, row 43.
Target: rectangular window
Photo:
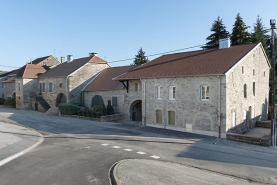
column 18, row 86
column 50, row 87
column 159, row 116
column 137, row 87
column 114, row 101
column 159, row 92
column 172, row 92
column 43, row 87
column 171, row 117
column 205, row 93
column 253, row 88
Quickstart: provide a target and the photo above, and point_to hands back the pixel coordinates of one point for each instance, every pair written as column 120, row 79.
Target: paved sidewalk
column 14, row 139
column 144, row 172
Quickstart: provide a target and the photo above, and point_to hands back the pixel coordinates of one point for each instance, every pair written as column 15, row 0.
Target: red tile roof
column 31, row 71
column 65, row 69
column 104, row 80
column 195, row 63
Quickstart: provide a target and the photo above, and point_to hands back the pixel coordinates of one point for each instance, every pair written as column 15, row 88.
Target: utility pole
column 273, row 118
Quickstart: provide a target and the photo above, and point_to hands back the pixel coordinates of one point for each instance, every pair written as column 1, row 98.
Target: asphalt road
column 76, row 151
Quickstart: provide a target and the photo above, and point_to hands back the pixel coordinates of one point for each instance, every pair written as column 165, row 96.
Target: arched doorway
column 136, row 111
column 13, row 95
column 61, row 98
column 97, row 100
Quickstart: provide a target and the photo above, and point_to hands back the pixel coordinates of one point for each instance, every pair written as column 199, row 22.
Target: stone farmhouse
column 7, row 81
column 63, row 84
column 210, row 92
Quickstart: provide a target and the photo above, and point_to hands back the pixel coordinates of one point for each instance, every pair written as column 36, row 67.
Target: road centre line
column 105, row 144
column 116, row 147
column 142, row 153
column 128, row 150
column 155, row 157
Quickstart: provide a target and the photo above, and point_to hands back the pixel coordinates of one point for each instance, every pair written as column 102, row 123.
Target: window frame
column 242, row 70
column 159, row 93
column 254, row 89
column 114, row 102
column 245, row 90
column 173, row 89
column 51, row 87
column 168, row 119
column 18, row 85
column 201, row 92
column 137, row 87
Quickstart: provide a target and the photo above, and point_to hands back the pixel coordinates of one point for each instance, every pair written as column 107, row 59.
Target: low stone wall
column 264, row 141
column 82, row 117
column 114, row 117
column 264, row 124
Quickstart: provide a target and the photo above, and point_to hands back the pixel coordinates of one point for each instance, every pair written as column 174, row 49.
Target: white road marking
column 8, row 159
column 116, row 147
column 128, row 150
column 105, row 144
column 141, row 153
column 155, row 157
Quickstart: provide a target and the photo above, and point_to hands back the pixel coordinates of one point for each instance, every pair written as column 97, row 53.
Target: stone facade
column 191, row 113
column 2, row 79
column 72, row 85
column 9, row 89
column 243, row 112
column 124, row 100
column 224, row 112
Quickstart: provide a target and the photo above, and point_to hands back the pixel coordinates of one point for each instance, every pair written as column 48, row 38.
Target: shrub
column 110, row 109
column 2, row 101
column 103, row 111
column 10, row 102
column 69, row 109
column 96, row 111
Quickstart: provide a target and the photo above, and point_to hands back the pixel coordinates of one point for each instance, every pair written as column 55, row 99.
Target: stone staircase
column 42, row 102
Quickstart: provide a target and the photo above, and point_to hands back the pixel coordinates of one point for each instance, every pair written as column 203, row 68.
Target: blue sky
column 114, row 29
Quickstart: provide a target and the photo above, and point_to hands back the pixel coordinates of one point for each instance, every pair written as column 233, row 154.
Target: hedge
column 2, row 101
column 10, row 102
column 69, row 108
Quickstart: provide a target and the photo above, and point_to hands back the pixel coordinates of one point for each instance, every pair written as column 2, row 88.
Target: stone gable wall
column 235, row 92
column 30, row 87
column 51, row 61
column 79, row 79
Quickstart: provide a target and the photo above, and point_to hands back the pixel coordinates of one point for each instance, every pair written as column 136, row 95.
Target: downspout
column 144, row 101
column 219, row 107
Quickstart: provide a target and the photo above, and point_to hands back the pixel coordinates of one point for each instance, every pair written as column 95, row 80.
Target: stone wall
column 124, row 99
column 30, row 87
column 35, row 105
column 81, row 77
column 59, row 86
column 51, row 61
column 2, row 79
column 9, row 89
column 238, row 107
column 191, row 114
column 19, row 94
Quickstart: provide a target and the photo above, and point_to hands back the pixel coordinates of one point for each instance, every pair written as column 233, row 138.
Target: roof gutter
column 169, row 77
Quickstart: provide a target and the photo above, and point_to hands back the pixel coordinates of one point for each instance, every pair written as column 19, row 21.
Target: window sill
column 205, row 100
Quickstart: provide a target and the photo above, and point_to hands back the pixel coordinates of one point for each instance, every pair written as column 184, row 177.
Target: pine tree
column 219, row 32
column 240, row 35
column 140, row 58
column 260, row 35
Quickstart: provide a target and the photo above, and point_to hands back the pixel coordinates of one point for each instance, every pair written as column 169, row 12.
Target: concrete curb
column 8, row 159
column 113, row 178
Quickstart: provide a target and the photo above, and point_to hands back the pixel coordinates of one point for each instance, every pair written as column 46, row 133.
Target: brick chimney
column 62, row 59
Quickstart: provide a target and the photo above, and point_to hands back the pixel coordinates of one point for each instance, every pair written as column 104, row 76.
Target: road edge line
column 18, row 154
